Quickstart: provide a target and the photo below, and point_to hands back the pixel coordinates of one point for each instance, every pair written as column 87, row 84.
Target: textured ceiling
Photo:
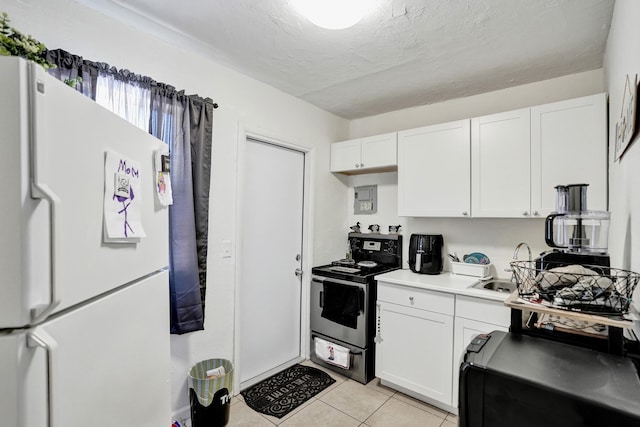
column 405, row 53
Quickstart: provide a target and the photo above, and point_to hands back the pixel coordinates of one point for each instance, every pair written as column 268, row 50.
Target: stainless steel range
column 343, row 300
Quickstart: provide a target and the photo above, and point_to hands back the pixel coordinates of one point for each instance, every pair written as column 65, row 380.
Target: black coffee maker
column 425, row 253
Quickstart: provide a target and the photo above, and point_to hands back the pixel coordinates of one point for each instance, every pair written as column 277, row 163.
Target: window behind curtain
column 130, row 100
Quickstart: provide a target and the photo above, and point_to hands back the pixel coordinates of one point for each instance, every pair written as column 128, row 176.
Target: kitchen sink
column 496, row 285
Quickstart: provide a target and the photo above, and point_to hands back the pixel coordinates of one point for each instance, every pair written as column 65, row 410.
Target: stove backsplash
column 390, row 252
column 496, row 237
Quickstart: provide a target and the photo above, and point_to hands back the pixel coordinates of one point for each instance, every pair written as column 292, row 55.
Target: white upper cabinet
column 371, row 154
column 503, row 165
column 518, row 157
column 568, row 146
column 345, row 155
column 434, row 170
column 500, row 174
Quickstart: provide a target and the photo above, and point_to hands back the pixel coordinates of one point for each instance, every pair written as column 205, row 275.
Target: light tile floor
column 348, row 403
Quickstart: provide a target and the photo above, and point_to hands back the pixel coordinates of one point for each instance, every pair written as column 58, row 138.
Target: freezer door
column 106, row 363
column 54, row 181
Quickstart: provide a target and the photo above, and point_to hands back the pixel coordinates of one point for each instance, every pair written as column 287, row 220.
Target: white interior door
column 271, row 252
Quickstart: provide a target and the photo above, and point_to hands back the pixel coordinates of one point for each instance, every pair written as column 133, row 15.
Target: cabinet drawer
column 493, row 312
column 422, row 299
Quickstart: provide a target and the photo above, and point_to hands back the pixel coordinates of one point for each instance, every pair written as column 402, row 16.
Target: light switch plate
column 226, row 249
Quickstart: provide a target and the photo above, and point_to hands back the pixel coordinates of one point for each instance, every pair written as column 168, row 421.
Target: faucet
column 515, row 253
column 515, row 257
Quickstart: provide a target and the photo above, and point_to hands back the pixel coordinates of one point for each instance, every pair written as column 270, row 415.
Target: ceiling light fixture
column 333, row 14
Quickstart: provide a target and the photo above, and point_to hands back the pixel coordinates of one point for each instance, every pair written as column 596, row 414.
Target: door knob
column 298, row 272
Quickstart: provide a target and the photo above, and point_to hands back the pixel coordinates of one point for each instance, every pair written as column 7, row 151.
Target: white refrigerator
column 84, row 324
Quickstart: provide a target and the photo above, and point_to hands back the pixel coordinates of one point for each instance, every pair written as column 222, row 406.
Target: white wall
column 622, row 57
column 244, row 103
column 558, row 89
column 497, row 238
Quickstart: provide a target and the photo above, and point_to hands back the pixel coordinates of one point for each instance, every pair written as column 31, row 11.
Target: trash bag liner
column 206, row 388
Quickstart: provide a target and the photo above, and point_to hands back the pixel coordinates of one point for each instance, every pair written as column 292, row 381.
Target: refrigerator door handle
column 39, row 338
column 40, row 190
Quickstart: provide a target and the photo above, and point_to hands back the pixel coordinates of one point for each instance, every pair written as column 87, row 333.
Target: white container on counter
column 482, row 271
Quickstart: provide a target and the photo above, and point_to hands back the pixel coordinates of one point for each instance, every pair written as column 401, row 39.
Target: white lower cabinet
column 474, row 316
column 415, row 347
column 420, row 343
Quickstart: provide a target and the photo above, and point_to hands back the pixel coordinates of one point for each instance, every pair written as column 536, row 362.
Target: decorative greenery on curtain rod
column 15, row 43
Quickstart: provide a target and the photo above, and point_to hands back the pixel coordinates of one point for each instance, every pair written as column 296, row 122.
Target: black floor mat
column 283, row 392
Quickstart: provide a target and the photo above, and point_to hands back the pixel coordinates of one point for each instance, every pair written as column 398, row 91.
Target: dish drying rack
column 590, row 289
column 595, row 294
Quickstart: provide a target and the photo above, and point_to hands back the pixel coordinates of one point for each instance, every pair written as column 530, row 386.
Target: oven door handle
column 321, row 299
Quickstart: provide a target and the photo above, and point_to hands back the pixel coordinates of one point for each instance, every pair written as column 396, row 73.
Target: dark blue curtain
column 185, row 123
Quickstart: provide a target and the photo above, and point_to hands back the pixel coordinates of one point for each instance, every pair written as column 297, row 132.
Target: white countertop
column 444, row 282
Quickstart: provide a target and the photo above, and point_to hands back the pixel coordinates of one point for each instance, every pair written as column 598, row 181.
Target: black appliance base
column 557, row 258
column 516, row 380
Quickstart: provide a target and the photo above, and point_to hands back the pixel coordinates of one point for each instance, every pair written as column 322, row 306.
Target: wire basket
column 585, row 288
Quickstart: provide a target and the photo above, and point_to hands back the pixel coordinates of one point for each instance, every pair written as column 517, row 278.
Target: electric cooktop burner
column 367, row 264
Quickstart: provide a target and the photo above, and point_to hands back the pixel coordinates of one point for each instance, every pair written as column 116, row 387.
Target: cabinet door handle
column 357, row 165
column 465, row 213
column 411, row 299
column 536, row 213
column 525, row 213
column 361, row 165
